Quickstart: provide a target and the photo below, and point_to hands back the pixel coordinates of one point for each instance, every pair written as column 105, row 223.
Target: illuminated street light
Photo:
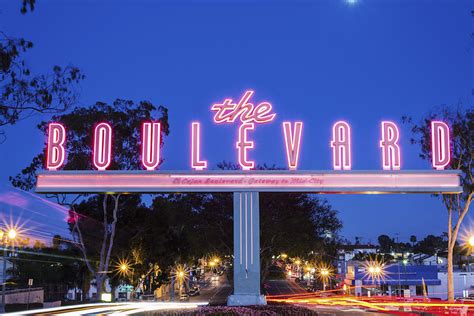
column 180, row 272
column 5, row 237
column 12, row 233
column 324, row 273
column 123, row 267
column 471, row 241
column 375, row 270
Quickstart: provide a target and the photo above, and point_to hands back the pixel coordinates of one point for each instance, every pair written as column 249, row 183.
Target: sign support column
column 246, row 251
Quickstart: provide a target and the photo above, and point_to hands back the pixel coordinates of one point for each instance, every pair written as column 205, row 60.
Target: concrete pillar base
column 246, row 299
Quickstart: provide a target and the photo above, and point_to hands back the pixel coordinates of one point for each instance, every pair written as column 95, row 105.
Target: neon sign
column 55, row 153
column 151, row 140
column 196, row 162
column 248, row 116
column 341, row 146
column 292, row 142
column 389, row 145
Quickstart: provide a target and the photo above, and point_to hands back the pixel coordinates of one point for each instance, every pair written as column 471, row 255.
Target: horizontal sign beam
column 355, row 182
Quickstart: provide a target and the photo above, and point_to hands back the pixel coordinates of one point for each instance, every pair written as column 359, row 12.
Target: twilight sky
column 316, row 61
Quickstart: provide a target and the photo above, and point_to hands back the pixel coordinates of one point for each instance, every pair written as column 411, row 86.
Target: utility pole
column 4, row 277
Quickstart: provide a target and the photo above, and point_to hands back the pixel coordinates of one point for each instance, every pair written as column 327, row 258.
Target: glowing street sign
column 196, row 162
column 243, row 144
column 248, row 117
column 292, row 142
column 228, row 112
column 367, row 182
column 441, row 153
column 102, row 146
column 341, row 146
column 389, row 145
column 151, row 141
column 56, row 154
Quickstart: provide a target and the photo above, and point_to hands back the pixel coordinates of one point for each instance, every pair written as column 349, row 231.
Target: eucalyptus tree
column 23, row 92
column 85, row 210
column 461, row 122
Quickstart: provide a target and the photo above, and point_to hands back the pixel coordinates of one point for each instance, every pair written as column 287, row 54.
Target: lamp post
column 180, row 276
column 470, row 244
column 5, row 237
column 375, row 272
column 324, row 275
column 124, row 268
column 298, row 263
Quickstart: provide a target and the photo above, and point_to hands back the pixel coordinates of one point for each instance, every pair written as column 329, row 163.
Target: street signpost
column 30, row 283
column 247, row 183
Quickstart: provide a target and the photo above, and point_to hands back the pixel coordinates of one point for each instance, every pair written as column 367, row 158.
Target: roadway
column 128, row 308
column 215, row 292
column 212, row 292
column 283, row 287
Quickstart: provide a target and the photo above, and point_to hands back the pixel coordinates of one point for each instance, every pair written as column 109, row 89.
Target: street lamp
column 298, row 263
column 124, row 268
column 324, row 275
column 471, row 241
column 325, row 272
column 180, row 273
column 12, row 233
column 375, row 270
column 5, row 238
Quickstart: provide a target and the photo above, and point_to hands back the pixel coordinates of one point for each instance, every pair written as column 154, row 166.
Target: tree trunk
column 99, row 279
column 450, row 275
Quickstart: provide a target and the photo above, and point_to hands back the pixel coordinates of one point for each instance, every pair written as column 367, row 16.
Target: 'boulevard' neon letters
column 248, row 116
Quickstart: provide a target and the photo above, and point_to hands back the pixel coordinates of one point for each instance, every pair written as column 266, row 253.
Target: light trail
column 383, row 304
column 114, row 308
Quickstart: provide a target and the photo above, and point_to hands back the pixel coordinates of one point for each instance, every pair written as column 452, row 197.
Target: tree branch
column 104, row 240
column 114, row 222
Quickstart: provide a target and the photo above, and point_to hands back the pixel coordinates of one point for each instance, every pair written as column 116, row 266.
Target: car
column 194, row 292
column 184, row 297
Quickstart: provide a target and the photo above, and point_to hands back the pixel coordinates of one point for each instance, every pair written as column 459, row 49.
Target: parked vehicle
column 194, row 292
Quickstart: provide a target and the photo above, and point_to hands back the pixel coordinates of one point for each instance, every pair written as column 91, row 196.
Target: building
column 463, row 284
column 424, row 259
column 396, row 279
column 347, row 252
column 8, row 266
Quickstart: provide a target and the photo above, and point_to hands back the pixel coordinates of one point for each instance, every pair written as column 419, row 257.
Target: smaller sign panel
column 368, row 182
